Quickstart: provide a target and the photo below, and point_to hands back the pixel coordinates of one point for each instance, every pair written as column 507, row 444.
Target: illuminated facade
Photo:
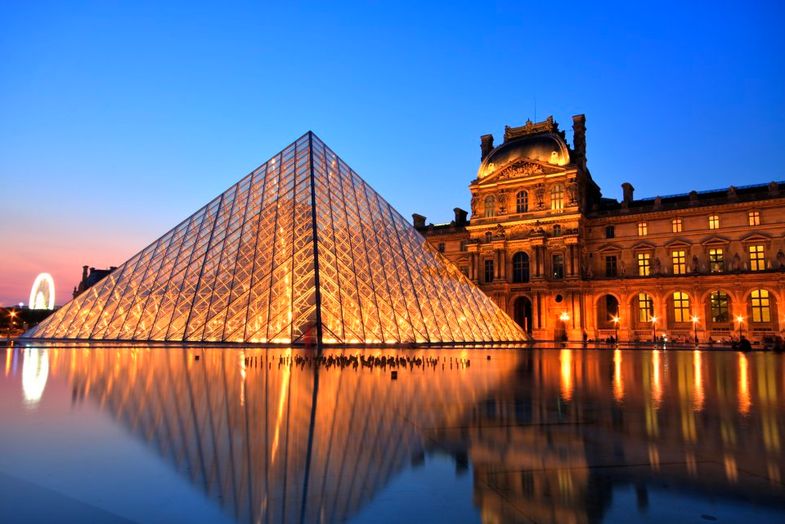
column 300, row 250
column 565, row 262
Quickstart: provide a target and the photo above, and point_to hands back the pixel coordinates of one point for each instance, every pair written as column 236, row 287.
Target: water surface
column 155, row 434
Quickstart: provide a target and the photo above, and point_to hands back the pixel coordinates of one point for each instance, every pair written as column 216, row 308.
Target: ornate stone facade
column 565, row 262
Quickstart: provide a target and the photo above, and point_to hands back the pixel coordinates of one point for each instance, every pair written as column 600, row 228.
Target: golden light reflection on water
column 269, row 435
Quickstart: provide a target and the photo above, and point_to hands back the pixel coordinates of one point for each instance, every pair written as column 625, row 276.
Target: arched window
column 718, row 300
column 645, row 307
column 557, row 230
column 681, row 307
column 490, row 206
column 761, row 305
column 520, row 267
column 522, row 202
column 557, row 197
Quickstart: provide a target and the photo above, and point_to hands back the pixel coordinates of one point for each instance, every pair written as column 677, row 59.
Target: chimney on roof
column 460, row 216
column 418, row 221
column 579, row 139
column 486, row 144
column 627, row 190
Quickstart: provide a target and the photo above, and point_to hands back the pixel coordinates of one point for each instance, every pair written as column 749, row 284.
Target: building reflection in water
column 549, row 434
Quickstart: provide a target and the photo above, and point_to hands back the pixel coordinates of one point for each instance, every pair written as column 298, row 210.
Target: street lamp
column 740, row 320
column 11, row 323
column 654, row 329
column 565, row 317
column 695, row 328
column 616, row 321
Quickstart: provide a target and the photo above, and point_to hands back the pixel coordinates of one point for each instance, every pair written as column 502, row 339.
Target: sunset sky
column 117, row 122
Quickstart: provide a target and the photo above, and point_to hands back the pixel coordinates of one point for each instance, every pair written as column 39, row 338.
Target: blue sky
column 117, row 120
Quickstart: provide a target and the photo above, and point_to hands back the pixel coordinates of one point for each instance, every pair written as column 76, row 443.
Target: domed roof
column 542, row 147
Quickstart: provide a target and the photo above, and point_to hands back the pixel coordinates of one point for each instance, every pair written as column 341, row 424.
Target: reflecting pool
column 570, row 435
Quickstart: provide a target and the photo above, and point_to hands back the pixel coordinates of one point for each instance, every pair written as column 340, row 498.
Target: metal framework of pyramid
column 301, row 250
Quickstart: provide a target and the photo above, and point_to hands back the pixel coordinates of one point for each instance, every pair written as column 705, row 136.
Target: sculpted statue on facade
column 780, row 259
column 475, row 201
column 657, row 266
column 539, row 195
column 622, row 269
column 572, row 191
column 501, row 198
column 736, row 262
column 695, row 264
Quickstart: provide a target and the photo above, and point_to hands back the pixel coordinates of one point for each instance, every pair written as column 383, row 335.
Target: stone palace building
column 565, row 262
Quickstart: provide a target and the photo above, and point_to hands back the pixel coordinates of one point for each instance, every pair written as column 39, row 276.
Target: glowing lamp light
column 615, row 320
column 739, row 319
column 654, row 320
column 564, row 317
column 694, row 320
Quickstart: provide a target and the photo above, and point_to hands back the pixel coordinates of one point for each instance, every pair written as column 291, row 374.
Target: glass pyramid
column 301, row 250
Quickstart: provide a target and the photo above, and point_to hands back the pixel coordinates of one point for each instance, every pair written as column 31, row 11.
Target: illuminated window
column 611, row 267
column 490, row 207
column 676, row 225
column 757, row 258
column 441, row 247
column 643, row 229
column 489, row 270
column 754, row 218
column 558, row 266
column 522, row 202
column 557, row 230
column 681, row 307
column 645, row 307
column 520, row 267
column 720, row 311
column 761, row 306
column 644, row 264
column 716, row 259
column 679, row 259
column 714, row 222
column 610, row 232
column 557, row 197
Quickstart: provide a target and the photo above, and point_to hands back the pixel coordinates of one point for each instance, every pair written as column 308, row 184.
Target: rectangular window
column 645, row 307
column 761, row 307
column 676, row 224
column 610, row 232
column 644, row 264
column 643, row 229
column 679, row 259
column 558, row 266
column 720, row 311
column 714, row 222
column 716, row 260
column 754, row 218
column 757, row 258
column 611, row 266
column 489, row 270
column 681, row 307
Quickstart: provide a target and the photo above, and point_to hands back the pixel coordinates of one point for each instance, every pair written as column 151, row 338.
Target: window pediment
column 678, row 243
column 715, row 241
column 643, row 246
column 756, row 238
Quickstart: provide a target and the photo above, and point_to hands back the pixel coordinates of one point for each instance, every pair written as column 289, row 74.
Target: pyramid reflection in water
column 300, row 249
column 273, row 441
